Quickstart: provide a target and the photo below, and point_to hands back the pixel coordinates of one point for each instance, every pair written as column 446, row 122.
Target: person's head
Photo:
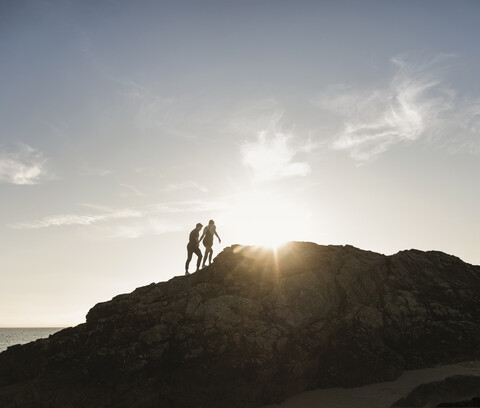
column 211, row 222
column 199, row 226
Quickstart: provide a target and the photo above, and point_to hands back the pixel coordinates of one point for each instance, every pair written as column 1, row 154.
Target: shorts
column 193, row 249
column 208, row 243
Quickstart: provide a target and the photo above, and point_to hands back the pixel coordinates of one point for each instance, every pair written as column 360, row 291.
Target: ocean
column 10, row 336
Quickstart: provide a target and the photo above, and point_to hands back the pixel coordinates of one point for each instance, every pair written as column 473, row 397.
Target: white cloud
column 273, row 153
column 414, row 104
column 271, row 156
column 23, row 167
column 78, row 219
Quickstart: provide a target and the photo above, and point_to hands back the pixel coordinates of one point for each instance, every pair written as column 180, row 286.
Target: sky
column 123, row 124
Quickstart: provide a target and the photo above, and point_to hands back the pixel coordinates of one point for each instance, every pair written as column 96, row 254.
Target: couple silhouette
column 194, row 242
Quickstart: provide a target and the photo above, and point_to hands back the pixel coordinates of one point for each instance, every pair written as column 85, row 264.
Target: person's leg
column 199, row 259
column 205, row 257
column 207, row 254
column 189, row 258
column 208, row 250
column 210, row 256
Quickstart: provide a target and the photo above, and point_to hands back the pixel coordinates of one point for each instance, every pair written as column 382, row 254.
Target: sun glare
column 265, row 219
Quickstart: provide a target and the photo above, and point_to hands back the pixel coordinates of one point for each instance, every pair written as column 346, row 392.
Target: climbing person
column 209, row 231
column 192, row 247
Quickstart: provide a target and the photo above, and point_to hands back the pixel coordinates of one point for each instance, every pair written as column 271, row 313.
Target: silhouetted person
column 207, row 236
column 192, row 248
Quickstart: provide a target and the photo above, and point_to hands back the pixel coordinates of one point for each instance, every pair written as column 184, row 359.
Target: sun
column 267, row 219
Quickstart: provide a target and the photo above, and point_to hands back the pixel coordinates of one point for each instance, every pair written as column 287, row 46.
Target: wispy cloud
column 190, row 184
column 153, row 111
column 255, row 115
column 133, row 190
column 414, row 104
column 78, row 219
column 149, row 226
column 178, row 116
column 152, row 222
column 461, row 130
column 272, row 155
column 188, row 206
column 24, row 166
column 96, row 207
column 86, row 169
column 147, row 219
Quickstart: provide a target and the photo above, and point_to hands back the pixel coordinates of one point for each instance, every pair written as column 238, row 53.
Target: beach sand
column 378, row 395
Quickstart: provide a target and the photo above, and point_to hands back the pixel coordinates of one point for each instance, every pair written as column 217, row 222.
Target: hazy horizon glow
column 123, row 125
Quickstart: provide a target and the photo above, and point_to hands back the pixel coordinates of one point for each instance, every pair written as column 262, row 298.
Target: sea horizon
column 11, row 336
column 33, row 327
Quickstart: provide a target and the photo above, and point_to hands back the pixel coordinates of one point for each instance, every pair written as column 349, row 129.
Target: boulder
column 254, row 328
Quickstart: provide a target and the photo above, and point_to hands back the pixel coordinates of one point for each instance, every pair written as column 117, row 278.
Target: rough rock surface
column 254, row 328
column 474, row 402
column 457, row 388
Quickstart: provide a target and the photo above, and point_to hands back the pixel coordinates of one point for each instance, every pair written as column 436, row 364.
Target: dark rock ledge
column 454, row 391
column 255, row 328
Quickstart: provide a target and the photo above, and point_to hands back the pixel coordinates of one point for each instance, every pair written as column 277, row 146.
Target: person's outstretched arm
column 203, row 234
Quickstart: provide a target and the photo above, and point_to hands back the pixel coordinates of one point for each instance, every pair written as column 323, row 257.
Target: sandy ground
column 378, row 395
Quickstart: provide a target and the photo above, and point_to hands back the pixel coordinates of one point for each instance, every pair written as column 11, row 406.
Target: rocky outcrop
column 256, row 327
column 459, row 388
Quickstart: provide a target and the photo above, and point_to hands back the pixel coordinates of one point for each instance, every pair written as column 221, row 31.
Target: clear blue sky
column 123, row 124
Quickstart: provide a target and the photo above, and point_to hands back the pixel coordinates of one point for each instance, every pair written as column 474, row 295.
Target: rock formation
column 459, row 388
column 256, row 327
